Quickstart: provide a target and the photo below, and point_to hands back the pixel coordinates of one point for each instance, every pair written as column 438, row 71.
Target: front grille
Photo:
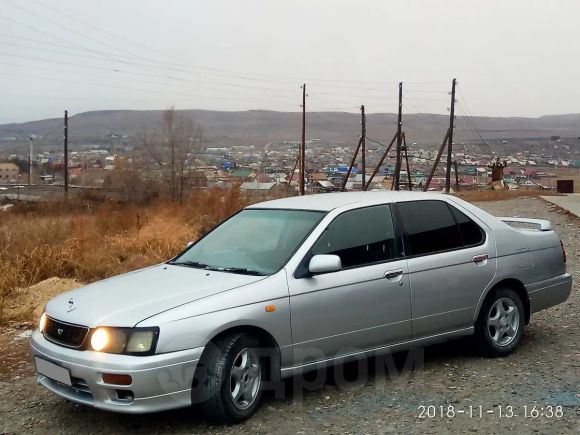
column 65, row 334
column 80, row 385
column 74, row 393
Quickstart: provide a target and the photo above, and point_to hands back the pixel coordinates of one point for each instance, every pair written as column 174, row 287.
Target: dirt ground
column 544, row 371
column 27, row 303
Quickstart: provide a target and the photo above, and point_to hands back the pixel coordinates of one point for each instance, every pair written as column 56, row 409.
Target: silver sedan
column 293, row 285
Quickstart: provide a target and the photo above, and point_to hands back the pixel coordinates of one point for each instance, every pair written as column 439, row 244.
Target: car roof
column 330, row 201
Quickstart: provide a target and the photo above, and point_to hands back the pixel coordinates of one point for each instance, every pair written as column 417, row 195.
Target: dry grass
column 88, row 243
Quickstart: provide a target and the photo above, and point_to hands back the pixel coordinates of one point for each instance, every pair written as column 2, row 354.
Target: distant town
column 273, row 168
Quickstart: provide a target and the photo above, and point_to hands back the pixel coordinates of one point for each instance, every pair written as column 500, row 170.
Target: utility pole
column 303, row 145
column 397, row 176
column 30, row 159
column 294, row 170
column 450, row 138
column 406, row 149
column 385, row 154
column 345, row 180
column 436, row 162
column 66, row 154
column 456, row 176
column 363, row 136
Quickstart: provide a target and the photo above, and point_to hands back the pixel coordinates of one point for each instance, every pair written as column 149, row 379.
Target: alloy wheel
column 503, row 322
column 245, row 378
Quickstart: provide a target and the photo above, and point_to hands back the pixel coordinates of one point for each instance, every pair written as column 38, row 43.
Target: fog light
column 125, row 395
column 115, row 379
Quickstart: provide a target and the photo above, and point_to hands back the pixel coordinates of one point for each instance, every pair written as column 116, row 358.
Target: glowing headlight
column 42, row 322
column 124, row 340
column 99, row 339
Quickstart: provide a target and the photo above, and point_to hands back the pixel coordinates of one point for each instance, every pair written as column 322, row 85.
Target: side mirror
column 188, row 244
column 324, row 264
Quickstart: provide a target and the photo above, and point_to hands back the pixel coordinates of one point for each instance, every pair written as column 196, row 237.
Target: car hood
column 127, row 299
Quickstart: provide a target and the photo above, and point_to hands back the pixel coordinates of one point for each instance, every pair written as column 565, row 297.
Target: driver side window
column 360, row 237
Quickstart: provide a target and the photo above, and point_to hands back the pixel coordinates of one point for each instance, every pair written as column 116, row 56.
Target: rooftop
column 330, row 201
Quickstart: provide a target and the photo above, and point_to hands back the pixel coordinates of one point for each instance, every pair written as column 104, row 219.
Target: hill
column 260, row 126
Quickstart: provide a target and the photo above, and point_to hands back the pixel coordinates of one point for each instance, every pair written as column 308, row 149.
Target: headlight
column 42, row 322
column 133, row 341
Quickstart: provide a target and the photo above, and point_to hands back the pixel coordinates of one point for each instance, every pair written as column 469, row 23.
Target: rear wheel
column 500, row 325
column 229, row 382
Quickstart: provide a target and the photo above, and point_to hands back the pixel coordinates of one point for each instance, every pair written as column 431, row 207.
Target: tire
column 228, row 381
column 500, row 325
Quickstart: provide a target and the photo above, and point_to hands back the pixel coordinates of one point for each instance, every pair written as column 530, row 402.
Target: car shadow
column 300, row 388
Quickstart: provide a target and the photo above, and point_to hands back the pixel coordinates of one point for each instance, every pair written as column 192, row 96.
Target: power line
column 470, row 117
column 136, row 89
column 237, row 74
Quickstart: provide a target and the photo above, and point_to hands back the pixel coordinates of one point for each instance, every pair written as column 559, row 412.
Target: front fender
column 194, row 325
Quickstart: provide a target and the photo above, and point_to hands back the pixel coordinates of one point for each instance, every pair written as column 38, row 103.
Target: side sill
column 397, row 347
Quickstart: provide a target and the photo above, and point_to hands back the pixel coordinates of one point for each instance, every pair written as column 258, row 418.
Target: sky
column 510, row 57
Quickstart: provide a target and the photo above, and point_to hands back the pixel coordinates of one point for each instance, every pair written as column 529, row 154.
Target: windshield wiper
column 195, row 264
column 204, row 266
column 242, row 270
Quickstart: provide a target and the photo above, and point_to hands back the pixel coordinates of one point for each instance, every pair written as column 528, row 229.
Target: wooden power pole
column 450, row 138
column 397, row 177
column 406, row 149
column 66, row 154
column 363, row 136
column 303, row 144
column 385, row 154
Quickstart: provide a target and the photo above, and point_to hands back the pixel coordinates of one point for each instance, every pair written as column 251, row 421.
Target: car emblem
column 71, row 302
column 59, row 331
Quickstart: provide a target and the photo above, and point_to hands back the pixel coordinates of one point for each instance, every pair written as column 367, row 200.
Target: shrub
column 92, row 243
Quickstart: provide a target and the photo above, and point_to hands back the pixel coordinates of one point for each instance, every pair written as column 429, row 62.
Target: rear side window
column 430, row 227
column 471, row 232
column 359, row 237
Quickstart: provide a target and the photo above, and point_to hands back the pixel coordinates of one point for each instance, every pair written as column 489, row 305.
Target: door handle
column 480, row 258
column 392, row 275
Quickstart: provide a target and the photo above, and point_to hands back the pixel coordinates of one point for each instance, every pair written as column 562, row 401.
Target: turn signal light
column 563, row 250
column 115, row 379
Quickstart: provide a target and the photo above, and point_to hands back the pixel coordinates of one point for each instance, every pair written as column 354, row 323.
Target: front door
column 365, row 305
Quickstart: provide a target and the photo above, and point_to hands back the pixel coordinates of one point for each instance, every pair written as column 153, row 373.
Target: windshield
column 254, row 241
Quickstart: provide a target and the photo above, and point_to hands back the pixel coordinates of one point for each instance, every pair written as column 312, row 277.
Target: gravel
column 544, row 371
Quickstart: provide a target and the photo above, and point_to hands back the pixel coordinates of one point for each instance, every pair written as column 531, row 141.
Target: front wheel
column 500, row 325
column 230, row 382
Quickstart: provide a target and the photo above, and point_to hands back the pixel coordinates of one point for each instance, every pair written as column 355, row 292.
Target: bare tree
column 172, row 149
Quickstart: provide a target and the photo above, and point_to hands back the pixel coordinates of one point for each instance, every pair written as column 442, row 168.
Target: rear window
column 471, row 232
column 430, row 227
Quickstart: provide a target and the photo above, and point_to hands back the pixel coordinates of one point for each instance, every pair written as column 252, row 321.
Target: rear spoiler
column 542, row 224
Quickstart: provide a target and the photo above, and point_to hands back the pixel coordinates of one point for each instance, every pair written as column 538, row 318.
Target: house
column 262, row 177
column 317, row 176
column 257, row 186
column 530, row 173
column 9, row 172
column 242, row 173
column 341, row 169
column 322, row 186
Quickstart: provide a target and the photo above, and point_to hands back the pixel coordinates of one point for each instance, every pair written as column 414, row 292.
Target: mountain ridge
column 253, row 126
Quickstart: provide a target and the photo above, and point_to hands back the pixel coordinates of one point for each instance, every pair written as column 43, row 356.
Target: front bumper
column 550, row 292
column 159, row 382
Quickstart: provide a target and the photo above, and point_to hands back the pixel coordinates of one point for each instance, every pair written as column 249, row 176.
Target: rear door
column 451, row 261
column 366, row 304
